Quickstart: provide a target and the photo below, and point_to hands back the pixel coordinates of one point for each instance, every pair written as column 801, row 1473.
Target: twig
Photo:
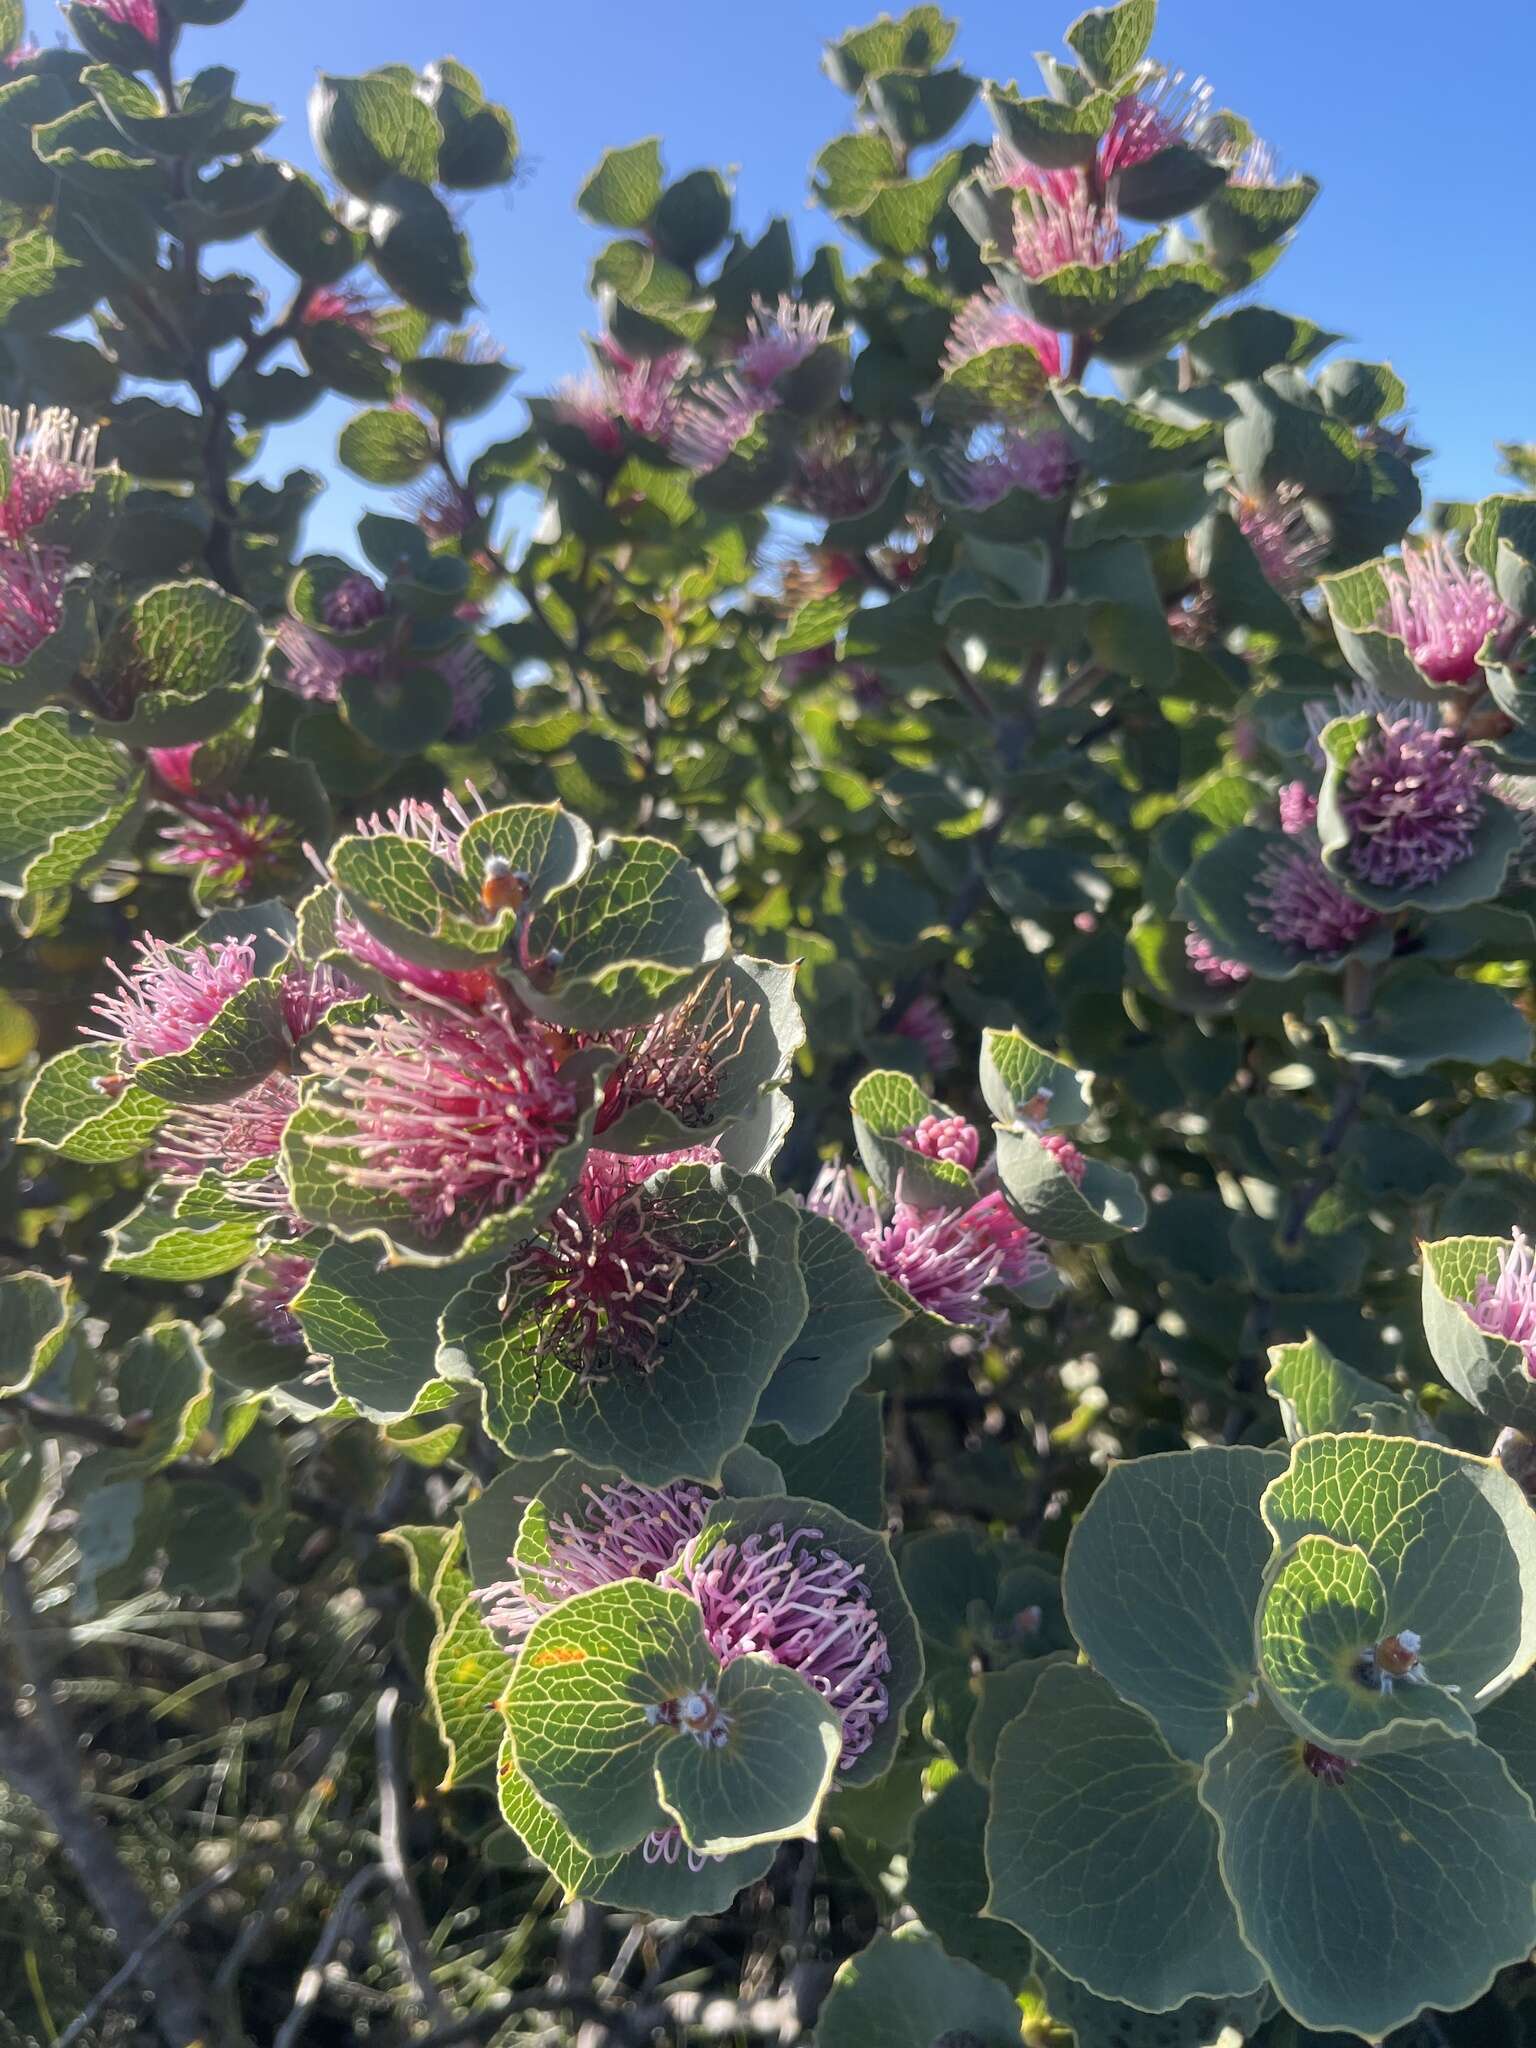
column 135, row 1963
column 410, row 1921
column 332, row 1934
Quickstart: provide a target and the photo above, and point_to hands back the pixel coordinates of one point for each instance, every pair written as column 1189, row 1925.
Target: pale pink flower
column 1505, row 1303
column 1441, row 609
column 638, row 392
column 267, row 1289
column 50, row 457
column 239, row 841
column 1299, row 904
column 1217, row 972
column 316, row 667
column 1413, row 799
column 781, row 338
column 355, row 602
column 31, row 599
column 1277, row 529
column 170, row 995
column 1066, row 1155
column 988, row 322
column 348, row 304
column 1001, row 459
column 1051, row 232
column 1298, row 810
column 1007, row 168
column 143, row 15
column 710, row 425
column 224, row 1137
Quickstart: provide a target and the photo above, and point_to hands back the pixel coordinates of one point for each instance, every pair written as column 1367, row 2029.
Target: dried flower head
column 837, row 476
column 50, row 457
column 946, row 1259
column 679, row 1059
column 782, row 337
column 1413, row 799
column 1505, row 1302
column 1441, row 609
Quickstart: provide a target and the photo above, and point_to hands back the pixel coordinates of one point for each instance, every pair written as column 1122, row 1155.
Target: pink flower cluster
column 1505, row 1302
column 1413, row 800
column 143, row 15
column 49, row 457
column 640, row 393
column 1442, row 610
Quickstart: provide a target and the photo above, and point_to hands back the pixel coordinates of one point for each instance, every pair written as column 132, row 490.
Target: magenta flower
column 464, row 988
column 781, row 338
column 1441, row 609
column 1505, row 1304
column 317, row 667
column 31, row 599
column 1010, row 458
column 712, row 424
column 1298, row 810
column 171, row 994
column 50, row 457
column 355, row 602
column 1276, row 528
column 1303, row 908
column 1219, row 973
column 1008, row 169
column 454, row 1112
column 611, row 1271
column 143, row 15
column 442, row 508
column 173, row 766
column 267, row 1289
column 945, row 1137
column 1051, row 232
column 345, row 303
column 945, row 1259
column 1065, row 1154
column 923, row 1022
column 224, row 1137
column 779, row 1595
column 639, row 392
column 239, row 842
column 988, row 322
column 1170, row 109
column 1413, row 799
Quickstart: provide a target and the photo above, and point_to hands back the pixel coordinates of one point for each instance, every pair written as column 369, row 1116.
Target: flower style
column 31, row 599
column 945, row 1259
column 1505, row 1302
column 1212, row 969
column 781, row 338
column 1169, row 109
column 678, row 1060
column 1008, row 168
column 1303, row 908
column 227, row 1137
column 1276, row 528
column 50, row 457
column 1413, row 799
column 710, row 426
column 454, row 1112
column 317, row 667
column 639, row 392
column 988, row 322
column 1051, row 232
column 1441, row 609
column 611, row 1271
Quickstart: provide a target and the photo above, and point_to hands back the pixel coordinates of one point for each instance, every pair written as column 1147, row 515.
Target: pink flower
column 171, row 994
column 467, row 988
column 31, row 599
column 1171, row 109
column 444, row 510
column 1298, row 810
column 1505, row 1304
column 1276, row 528
column 1209, row 964
column 226, row 1136
column 1065, row 1154
column 923, row 1022
column 781, row 338
column 51, row 457
column 1441, row 609
column 1303, row 908
column 267, row 1289
column 988, row 322
column 945, row 1137
column 610, row 1272
column 173, row 766
column 143, row 15
column 345, row 303
column 1051, row 232
column 628, row 391
column 355, row 602
column 454, row 1112
column 1413, row 800
column 238, row 841
column 944, row 1258
column 317, row 667
column 1007, row 168
column 711, row 425
column 837, row 477
column 784, row 1595
column 1010, row 458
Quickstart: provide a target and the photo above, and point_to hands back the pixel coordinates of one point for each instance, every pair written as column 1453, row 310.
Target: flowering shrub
column 814, row 1168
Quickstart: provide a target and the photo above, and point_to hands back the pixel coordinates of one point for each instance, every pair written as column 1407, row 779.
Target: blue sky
column 1416, row 118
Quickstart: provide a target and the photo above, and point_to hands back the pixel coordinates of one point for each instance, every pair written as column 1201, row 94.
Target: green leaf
column 386, row 446
column 1271, row 442
column 1110, row 42
column 1488, row 1371
column 622, row 192
column 916, row 108
column 1242, row 221
column 1451, row 1536
column 903, row 1991
column 1217, row 896
column 1360, row 394
column 239, row 1048
column 1162, row 1576
column 766, row 1780
column 1408, row 1883
column 452, row 387
column 1317, row 1391
column 305, row 235
column 1105, row 1206
column 158, row 1241
column 136, row 112
column 480, row 147
column 1084, row 297
column 885, row 1104
column 368, row 130
column 64, row 792
column 844, row 1466
column 1253, row 339
column 1173, row 303
column 851, row 1315
column 419, row 251
column 586, row 1701
column 1422, row 1019
column 1081, row 1892
column 185, row 656
column 467, row 1670
column 1124, row 446
column 1051, row 133
column 738, row 1314
column 163, row 1382
column 692, row 217
column 915, row 41
column 77, row 1107
column 1323, row 1610
column 1168, row 184
column 1021, row 1083
column 377, row 1324
column 1198, row 2023
column 947, row 1881
column 34, row 1320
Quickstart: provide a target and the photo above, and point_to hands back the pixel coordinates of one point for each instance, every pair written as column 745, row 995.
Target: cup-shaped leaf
column 1051, row 133
column 766, row 1779
column 1082, row 297
column 1359, row 604
column 905, row 1992
column 852, row 1312
column 1317, row 1391
column 34, row 1320
column 180, row 664
column 77, row 1107
column 370, row 129
column 1162, row 1575
column 1081, row 1892
column 1488, row 1370
column 1241, row 221
column 1111, row 41
column 1124, row 445
column 1323, row 1611
column 885, row 1106
column 467, row 1669
column 670, row 1396
column 1451, row 1536
column 1021, row 1083
column 376, row 1325
column 64, row 792
column 1222, row 897
column 1423, row 1018
column 1375, row 1886
column 1104, row 1205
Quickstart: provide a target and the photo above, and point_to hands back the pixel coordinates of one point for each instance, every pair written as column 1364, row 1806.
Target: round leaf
column 1486, row 1370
